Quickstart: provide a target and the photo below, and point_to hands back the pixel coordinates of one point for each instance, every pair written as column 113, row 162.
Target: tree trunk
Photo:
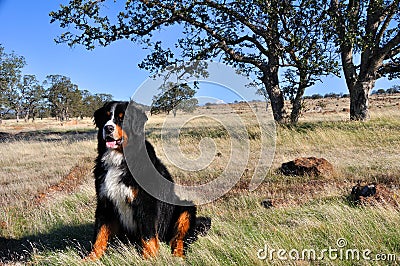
column 277, row 104
column 359, row 99
column 26, row 119
column 296, row 111
column 17, row 114
column 270, row 72
column 297, row 102
column 271, row 83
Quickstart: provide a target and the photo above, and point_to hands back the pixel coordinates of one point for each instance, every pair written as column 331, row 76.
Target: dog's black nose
column 108, row 129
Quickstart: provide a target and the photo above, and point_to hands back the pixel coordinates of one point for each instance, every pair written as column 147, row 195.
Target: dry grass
column 47, row 193
column 34, row 162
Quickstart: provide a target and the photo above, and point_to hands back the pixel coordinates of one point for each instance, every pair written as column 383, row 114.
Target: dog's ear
column 136, row 119
column 99, row 116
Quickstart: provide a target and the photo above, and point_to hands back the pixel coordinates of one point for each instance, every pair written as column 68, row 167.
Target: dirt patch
column 370, row 194
column 374, row 194
column 301, row 193
column 69, row 182
column 310, row 166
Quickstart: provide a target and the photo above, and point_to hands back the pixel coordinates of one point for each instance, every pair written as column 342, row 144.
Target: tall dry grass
column 311, row 212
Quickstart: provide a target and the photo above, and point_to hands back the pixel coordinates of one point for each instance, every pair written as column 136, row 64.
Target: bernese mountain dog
column 124, row 208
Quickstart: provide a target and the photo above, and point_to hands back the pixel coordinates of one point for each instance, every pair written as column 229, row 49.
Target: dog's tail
column 203, row 225
column 201, row 228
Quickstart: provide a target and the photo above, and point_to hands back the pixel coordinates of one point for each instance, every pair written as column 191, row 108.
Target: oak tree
column 173, row 97
column 64, row 97
column 32, row 96
column 368, row 37
column 11, row 66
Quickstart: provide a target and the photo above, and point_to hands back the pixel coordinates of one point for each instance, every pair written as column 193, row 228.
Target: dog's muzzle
column 112, row 141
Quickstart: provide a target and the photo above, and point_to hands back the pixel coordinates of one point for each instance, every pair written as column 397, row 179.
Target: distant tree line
column 317, row 96
column 393, row 90
column 25, row 97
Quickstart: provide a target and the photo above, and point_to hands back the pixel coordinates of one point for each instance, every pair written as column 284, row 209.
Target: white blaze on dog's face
column 112, row 130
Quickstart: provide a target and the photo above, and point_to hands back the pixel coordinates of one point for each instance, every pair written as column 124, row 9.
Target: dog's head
column 109, row 119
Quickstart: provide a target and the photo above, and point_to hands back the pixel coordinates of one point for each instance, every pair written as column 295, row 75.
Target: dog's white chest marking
column 115, row 190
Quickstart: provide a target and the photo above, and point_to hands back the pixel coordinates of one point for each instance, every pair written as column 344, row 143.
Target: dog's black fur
column 124, row 209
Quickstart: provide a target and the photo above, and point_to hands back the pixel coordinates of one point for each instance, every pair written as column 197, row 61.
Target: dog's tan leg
column 150, row 247
column 100, row 245
column 182, row 227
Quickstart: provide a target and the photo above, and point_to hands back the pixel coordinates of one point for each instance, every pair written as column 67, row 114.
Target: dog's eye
column 121, row 116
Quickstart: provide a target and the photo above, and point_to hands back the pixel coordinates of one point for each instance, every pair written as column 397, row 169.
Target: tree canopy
column 173, row 97
column 10, row 80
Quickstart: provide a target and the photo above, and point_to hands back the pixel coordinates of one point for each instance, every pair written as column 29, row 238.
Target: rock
column 363, row 191
column 373, row 194
column 267, row 203
column 311, row 166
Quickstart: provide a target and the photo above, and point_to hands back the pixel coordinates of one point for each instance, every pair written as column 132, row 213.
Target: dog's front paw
column 91, row 257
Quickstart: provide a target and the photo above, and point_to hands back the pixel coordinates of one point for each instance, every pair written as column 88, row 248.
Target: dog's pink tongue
column 111, row 144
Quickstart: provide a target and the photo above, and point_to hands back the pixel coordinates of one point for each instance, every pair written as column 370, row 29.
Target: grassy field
column 47, row 197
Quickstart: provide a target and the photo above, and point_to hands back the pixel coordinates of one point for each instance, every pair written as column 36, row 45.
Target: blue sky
column 25, row 28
